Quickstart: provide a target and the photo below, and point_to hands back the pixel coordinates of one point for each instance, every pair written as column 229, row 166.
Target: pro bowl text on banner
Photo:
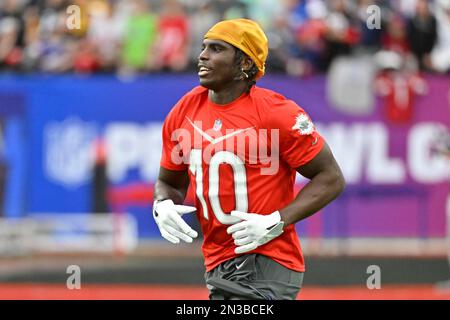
column 397, row 185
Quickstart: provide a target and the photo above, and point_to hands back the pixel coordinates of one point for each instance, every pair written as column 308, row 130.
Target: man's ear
column 246, row 63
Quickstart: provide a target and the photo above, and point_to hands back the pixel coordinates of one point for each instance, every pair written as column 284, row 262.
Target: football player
column 240, row 146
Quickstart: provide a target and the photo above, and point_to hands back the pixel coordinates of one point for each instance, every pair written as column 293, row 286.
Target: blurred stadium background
column 81, row 112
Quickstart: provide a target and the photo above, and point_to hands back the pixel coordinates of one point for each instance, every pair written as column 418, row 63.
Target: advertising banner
column 88, row 134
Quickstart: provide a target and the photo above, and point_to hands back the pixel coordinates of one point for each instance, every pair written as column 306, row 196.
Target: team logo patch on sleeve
column 303, row 124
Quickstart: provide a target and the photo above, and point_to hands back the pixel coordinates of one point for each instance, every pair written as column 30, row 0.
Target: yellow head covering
column 246, row 35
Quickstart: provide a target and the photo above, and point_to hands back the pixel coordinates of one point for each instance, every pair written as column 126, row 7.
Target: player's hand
column 255, row 230
column 168, row 218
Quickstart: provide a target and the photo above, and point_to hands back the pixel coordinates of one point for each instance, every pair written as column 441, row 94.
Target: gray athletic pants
column 253, row 277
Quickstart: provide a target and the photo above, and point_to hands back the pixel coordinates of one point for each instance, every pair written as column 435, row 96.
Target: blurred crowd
column 130, row 36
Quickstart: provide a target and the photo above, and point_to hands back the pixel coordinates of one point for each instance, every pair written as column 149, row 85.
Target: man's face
column 217, row 69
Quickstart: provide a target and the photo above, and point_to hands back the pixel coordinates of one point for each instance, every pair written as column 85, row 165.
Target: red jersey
column 399, row 90
column 240, row 156
column 174, row 35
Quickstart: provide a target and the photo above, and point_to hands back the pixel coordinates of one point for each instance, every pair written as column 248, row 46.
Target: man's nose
column 203, row 55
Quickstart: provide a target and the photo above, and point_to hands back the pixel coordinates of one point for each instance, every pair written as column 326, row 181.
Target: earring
column 245, row 74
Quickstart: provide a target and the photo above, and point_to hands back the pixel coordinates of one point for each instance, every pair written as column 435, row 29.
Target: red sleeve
column 172, row 155
column 299, row 141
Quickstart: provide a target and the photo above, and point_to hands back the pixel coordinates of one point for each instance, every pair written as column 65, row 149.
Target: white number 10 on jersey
column 240, row 183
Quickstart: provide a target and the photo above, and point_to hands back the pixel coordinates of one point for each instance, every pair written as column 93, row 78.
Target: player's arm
column 170, row 188
column 172, row 185
column 325, row 185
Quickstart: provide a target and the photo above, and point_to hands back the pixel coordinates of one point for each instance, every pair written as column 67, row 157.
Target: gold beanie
column 246, row 35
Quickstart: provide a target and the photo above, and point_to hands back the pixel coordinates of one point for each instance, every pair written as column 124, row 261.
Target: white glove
column 255, row 230
column 168, row 218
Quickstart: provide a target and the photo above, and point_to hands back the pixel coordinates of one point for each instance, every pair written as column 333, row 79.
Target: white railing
column 68, row 233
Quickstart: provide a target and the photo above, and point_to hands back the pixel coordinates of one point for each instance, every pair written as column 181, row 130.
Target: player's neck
column 227, row 95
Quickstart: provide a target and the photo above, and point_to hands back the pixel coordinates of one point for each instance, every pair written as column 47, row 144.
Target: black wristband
column 160, row 200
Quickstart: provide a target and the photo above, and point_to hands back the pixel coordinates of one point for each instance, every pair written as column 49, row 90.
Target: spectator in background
column 105, row 32
column 340, row 33
column 310, row 37
column 86, row 58
column 297, row 12
column 274, row 17
column 422, row 34
column 440, row 56
column 305, row 35
column 56, row 48
column 395, row 38
column 57, row 54
column 32, row 46
column 281, row 44
column 172, row 49
column 237, row 9
column 264, row 11
column 50, row 14
column 202, row 18
column 298, row 35
column 398, row 85
column 12, row 33
column 139, row 38
column 404, row 7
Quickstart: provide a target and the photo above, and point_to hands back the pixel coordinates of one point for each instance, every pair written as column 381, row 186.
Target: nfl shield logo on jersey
column 217, row 125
